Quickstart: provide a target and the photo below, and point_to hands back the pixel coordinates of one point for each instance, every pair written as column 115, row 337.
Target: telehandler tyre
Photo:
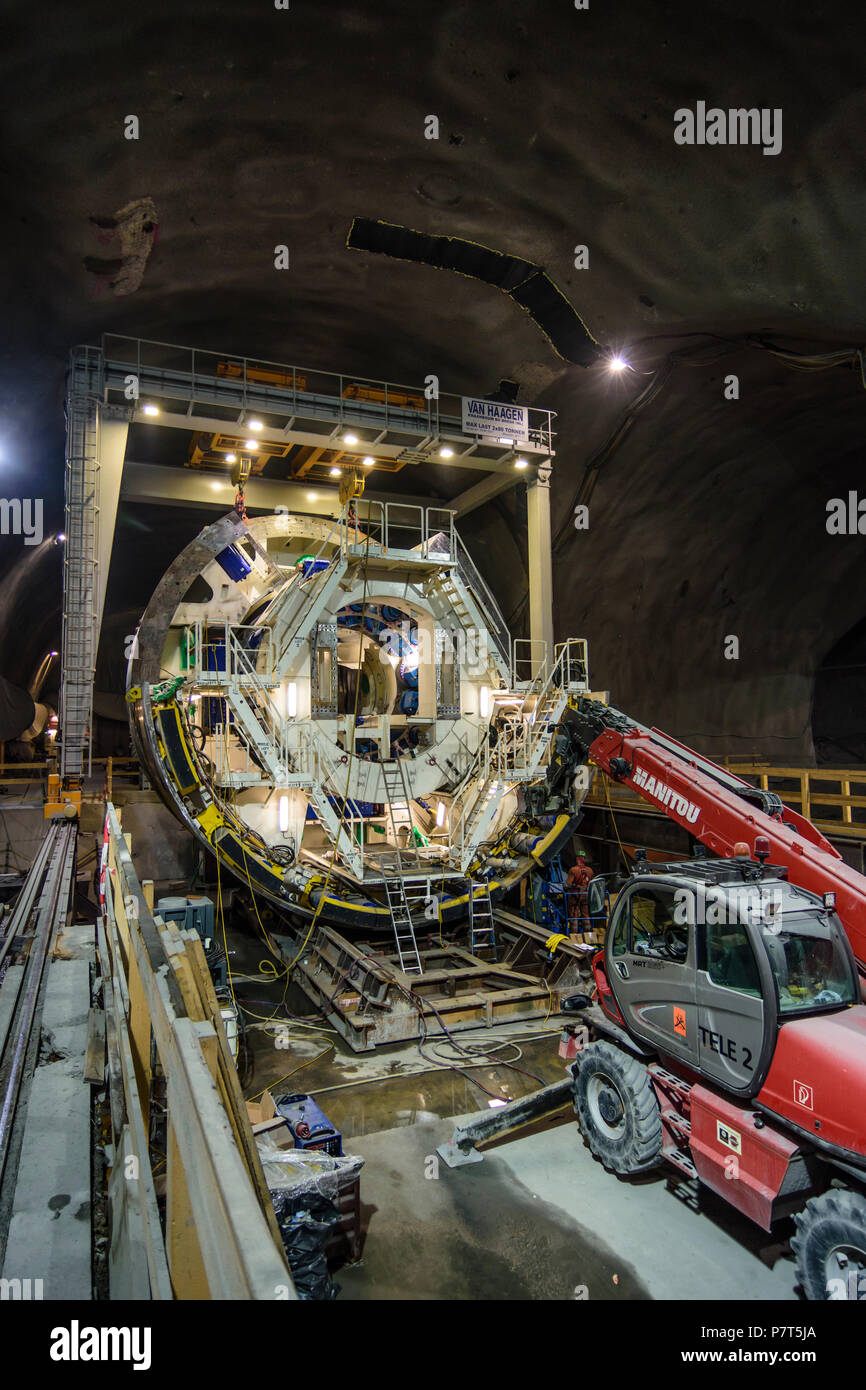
column 617, row 1109
column 830, row 1246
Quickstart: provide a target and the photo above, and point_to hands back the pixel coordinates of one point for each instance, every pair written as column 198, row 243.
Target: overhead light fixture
column 284, row 814
column 151, row 410
column 255, row 425
column 506, row 440
column 368, row 461
column 230, row 458
column 291, row 699
column 521, row 463
column 336, row 472
column 440, row 814
column 312, row 496
column 484, row 701
column 251, row 444
column 446, row 453
column 350, row 439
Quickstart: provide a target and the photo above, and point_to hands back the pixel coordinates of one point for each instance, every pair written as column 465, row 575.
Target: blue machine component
column 172, row 910
column 193, row 914
column 409, row 702
column 358, row 810
column 234, row 562
column 310, row 1128
column 201, row 917
column 548, row 905
column 314, row 567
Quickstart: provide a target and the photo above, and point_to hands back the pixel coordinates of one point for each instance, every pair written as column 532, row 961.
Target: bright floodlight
column 617, row 363
column 255, row 424
column 335, row 472
column 151, row 410
column 446, row 453
column 250, row 444
column 368, row 461
column 350, row 439
column 521, row 463
column 230, row 458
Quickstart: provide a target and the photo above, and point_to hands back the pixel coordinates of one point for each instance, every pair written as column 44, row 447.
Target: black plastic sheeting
column 527, row 284
column 306, row 1221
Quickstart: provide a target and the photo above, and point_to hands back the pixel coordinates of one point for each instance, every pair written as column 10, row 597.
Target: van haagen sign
column 495, row 417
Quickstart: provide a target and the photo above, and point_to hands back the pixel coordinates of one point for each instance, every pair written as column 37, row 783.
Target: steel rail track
column 43, row 903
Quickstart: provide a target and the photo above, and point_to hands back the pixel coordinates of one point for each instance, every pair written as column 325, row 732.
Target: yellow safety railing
column 833, row 799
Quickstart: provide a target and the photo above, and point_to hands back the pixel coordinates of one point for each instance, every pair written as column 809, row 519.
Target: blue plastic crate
column 311, row 1129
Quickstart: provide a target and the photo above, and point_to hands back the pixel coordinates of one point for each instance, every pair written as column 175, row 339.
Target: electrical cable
column 613, row 822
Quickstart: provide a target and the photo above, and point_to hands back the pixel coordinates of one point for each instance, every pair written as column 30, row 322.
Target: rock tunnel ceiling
column 260, row 127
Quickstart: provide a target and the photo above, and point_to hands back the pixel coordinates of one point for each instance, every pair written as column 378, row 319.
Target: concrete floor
column 539, row 1218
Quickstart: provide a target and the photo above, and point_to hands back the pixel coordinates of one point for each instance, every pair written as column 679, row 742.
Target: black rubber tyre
column 617, row 1109
column 830, row 1246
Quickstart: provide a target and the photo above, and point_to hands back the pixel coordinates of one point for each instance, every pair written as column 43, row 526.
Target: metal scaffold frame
column 80, row 613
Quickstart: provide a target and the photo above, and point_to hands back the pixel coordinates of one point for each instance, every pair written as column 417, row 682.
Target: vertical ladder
column 80, row 636
column 399, row 813
column 404, row 927
column 482, row 928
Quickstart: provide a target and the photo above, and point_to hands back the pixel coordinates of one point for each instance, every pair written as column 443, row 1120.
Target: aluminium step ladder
column 400, row 907
column 482, row 927
column 399, row 813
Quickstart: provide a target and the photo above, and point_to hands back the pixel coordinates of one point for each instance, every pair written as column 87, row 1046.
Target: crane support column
column 95, row 446
column 540, row 569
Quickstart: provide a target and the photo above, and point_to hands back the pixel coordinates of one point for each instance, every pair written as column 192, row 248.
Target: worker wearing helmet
column 576, row 882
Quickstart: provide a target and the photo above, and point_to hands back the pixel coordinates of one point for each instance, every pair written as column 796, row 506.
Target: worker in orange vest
column 576, row 882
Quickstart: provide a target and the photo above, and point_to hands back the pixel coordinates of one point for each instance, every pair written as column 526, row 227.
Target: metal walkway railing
column 179, row 376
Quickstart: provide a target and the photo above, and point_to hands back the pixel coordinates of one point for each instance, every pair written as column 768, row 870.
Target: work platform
column 364, row 994
column 207, row 391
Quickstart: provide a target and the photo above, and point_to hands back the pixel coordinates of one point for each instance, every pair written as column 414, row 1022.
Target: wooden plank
column 94, row 1054
column 211, row 1186
column 185, row 1260
column 230, row 1082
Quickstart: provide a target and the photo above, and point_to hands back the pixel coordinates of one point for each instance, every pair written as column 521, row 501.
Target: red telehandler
column 731, row 1034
